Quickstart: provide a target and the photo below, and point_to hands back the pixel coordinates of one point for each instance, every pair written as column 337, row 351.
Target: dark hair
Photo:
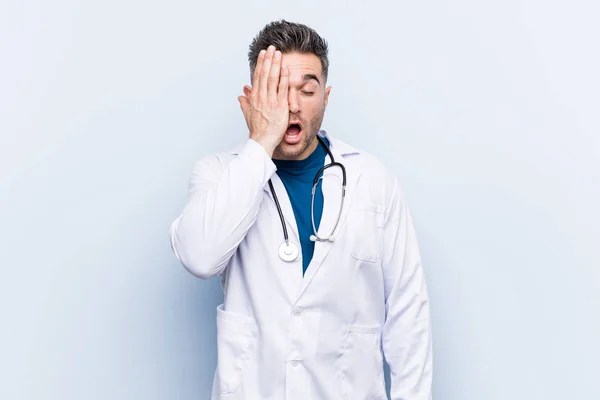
column 289, row 37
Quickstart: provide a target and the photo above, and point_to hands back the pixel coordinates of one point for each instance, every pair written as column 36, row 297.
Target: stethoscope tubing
column 318, row 177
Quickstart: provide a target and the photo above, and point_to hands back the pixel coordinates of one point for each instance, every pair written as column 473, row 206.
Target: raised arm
column 223, row 203
column 224, row 200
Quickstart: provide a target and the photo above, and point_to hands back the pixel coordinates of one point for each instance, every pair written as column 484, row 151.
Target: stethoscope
column 288, row 251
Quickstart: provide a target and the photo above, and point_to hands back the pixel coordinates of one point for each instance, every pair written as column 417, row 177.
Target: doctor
column 319, row 289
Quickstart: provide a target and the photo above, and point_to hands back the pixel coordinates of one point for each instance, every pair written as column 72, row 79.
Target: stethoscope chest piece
column 288, row 251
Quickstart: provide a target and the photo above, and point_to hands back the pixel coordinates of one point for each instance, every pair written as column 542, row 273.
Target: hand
column 265, row 106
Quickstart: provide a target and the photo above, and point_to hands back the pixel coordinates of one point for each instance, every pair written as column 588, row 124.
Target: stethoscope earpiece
column 313, row 238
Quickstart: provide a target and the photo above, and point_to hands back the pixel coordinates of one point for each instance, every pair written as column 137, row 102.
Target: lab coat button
column 295, row 363
column 298, row 311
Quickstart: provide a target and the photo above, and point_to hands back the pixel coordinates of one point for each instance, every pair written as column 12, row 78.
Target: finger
column 258, row 68
column 284, row 83
column 274, row 77
column 264, row 74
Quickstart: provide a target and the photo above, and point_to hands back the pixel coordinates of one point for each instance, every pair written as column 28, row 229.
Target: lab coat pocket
column 362, row 364
column 364, row 227
column 235, row 336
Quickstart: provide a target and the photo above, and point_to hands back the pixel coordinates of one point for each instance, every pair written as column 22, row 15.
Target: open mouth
column 292, row 134
column 293, row 129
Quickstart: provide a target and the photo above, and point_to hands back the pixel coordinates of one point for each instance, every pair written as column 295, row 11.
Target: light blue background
column 487, row 111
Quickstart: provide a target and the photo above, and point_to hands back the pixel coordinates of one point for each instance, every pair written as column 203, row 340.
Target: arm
column 222, row 205
column 406, row 341
column 223, row 202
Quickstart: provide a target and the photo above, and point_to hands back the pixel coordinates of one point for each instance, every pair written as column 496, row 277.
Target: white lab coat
column 324, row 335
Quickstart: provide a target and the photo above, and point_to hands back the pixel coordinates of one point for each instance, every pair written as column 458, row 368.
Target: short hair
column 289, row 37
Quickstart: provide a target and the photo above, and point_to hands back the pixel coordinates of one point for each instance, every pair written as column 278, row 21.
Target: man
column 309, row 313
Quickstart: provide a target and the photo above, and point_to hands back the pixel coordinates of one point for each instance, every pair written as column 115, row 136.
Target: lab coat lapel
column 332, row 194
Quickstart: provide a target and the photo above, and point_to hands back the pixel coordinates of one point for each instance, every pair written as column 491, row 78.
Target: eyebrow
column 308, row 77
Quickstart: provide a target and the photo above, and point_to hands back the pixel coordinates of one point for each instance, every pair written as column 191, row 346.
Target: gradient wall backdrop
column 488, row 112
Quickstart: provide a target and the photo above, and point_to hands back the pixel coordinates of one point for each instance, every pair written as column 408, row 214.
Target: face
column 307, row 97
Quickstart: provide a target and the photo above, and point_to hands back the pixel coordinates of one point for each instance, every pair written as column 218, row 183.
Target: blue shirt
column 297, row 177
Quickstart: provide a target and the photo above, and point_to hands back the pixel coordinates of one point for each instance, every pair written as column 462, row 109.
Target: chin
column 294, row 149
column 291, row 150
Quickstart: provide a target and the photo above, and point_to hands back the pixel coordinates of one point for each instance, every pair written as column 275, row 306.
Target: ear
column 327, row 90
column 247, row 91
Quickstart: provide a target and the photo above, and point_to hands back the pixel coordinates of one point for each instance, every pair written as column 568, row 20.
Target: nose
column 294, row 105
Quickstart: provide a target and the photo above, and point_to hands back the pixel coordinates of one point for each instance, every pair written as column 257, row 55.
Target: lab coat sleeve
column 406, row 337
column 223, row 203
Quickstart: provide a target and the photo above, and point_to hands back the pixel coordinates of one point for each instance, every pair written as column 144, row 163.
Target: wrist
column 268, row 144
